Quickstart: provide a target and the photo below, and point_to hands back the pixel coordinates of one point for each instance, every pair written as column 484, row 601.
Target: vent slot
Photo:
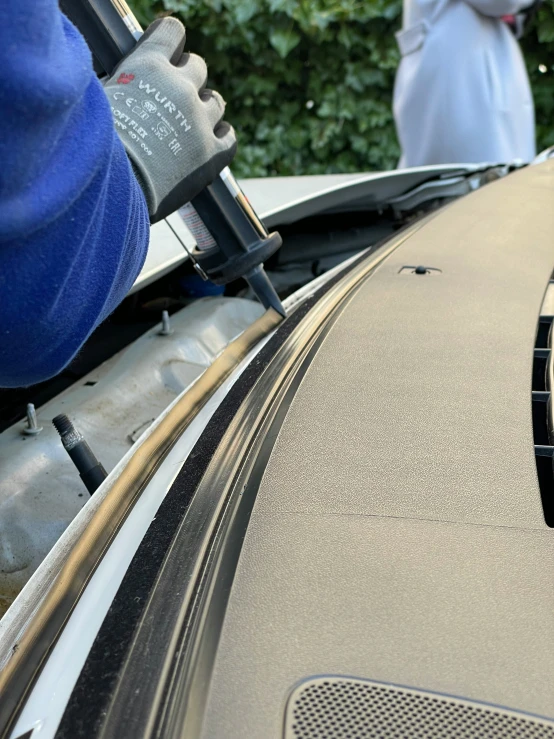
column 541, row 407
column 347, row 708
column 544, row 329
column 540, row 368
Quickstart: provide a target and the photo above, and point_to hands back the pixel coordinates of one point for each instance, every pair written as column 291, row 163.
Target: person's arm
column 74, row 222
column 498, row 8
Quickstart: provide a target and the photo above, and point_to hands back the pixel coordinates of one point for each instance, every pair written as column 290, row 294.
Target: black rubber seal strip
column 92, row 693
column 182, row 707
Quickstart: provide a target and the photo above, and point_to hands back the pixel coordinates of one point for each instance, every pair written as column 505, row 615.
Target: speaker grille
column 343, row 708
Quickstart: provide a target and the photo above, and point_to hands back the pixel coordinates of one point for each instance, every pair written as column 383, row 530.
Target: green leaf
column 284, row 41
column 245, row 10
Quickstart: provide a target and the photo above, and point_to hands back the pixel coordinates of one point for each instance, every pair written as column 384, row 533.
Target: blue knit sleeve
column 73, row 220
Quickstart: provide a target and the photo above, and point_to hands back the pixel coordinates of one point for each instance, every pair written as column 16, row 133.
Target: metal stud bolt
column 166, row 329
column 32, row 428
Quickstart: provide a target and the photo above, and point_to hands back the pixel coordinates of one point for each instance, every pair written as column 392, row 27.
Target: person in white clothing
column 462, row 93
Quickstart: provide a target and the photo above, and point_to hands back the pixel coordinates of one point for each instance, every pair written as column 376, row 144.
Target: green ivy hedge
column 309, row 83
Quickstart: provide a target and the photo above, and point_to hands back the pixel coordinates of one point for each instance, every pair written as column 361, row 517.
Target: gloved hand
column 169, row 123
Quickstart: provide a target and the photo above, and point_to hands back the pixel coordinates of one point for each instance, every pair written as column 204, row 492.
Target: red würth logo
column 124, row 79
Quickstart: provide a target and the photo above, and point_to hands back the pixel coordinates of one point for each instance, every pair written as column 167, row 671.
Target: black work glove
column 169, row 123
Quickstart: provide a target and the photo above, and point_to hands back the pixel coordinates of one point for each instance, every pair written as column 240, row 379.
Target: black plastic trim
column 541, row 414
